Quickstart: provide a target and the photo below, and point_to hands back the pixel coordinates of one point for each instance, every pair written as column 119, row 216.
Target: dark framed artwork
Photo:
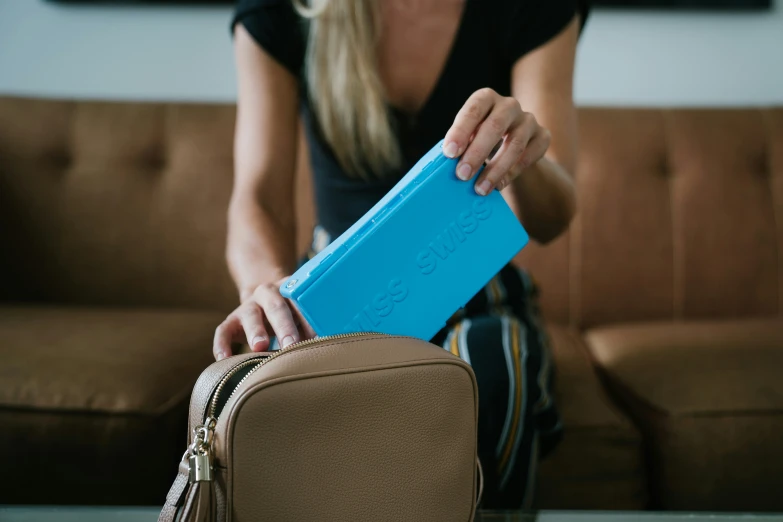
column 740, row 5
column 727, row 5
column 145, row 3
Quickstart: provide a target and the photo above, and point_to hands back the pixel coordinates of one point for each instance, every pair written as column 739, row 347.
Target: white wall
column 52, row 49
column 682, row 59
column 184, row 53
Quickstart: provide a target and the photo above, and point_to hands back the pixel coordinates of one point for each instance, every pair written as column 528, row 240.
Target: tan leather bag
column 364, row 427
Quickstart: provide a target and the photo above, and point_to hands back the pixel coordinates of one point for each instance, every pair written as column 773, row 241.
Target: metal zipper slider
column 200, row 452
column 200, row 468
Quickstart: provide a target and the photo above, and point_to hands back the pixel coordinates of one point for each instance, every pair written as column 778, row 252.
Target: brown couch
column 664, row 302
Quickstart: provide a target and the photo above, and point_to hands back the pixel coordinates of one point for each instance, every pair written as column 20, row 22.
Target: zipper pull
column 200, row 452
column 200, row 468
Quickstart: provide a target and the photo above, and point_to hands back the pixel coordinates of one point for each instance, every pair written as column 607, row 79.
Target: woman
column 377, row 84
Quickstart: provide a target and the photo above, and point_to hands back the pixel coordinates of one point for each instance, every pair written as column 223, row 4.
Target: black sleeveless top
column 492, row 35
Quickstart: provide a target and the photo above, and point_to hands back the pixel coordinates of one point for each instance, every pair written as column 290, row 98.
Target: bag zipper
column 199, row 453
column 262, row 360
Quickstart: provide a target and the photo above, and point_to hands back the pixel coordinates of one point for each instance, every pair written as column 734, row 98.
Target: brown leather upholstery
column 107, row 208
column 101, row 360
column 598, row 463
column 115, row 204
column 705, row 364
column 709, row 396
column 95, row 400
column 680, row 216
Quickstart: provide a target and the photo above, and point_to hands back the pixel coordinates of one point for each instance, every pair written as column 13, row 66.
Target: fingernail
column 288, row 340
column 451, row 149
column 259, row 339
column 220, row 356
column 484, row 187
column 463, row 172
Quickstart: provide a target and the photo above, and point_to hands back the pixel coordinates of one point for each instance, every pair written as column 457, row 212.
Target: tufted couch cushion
column 115, row 204
column 709, row 396
column 93, row 402
column 680, row 217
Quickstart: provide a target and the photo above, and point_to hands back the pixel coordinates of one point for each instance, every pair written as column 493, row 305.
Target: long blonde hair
column 344, row 84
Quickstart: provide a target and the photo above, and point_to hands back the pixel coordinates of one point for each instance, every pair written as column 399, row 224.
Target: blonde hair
column 344, row 84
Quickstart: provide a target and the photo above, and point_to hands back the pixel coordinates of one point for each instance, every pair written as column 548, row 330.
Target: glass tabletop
column 150, row 514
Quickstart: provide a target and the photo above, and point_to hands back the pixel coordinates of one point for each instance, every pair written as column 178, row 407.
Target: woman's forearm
column 545, row 199
column 260, row 247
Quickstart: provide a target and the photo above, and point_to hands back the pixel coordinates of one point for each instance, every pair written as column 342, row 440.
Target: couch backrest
column 115, row 203
column 680, row 216
column 680, row 211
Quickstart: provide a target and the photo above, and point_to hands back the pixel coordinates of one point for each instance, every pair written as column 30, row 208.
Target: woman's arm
column 542, row 81
column 260, row 247
column 260, row 250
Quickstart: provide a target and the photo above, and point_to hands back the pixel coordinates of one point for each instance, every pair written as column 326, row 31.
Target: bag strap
column 192, row 501
column 176, row 494
column 480, row 481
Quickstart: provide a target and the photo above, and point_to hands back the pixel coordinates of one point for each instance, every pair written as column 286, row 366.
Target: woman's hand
column 485, row 120
column 262, row 314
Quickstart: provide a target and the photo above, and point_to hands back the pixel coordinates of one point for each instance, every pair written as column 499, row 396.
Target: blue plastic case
column 421, row 253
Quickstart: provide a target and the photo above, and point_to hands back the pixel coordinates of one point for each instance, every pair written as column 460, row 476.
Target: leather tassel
column 200, row 503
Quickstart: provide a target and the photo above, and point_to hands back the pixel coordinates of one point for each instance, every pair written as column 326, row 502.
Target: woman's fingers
column 252, row 318
column 470, row 116
column 505, row 115
column 263, row 314
column 484, row 122
column 226, row 333
column 512, row 154
column 492, row 130
column 279, row 315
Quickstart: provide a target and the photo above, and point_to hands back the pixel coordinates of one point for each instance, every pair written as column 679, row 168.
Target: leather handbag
column 354, row 427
